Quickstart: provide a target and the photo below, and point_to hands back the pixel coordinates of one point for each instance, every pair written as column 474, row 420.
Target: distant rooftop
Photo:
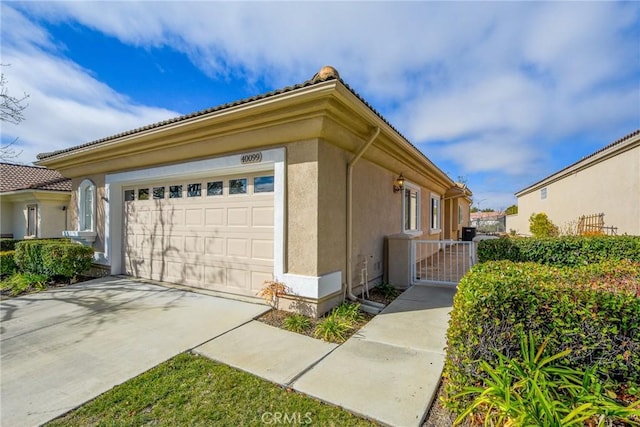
column 19, row 177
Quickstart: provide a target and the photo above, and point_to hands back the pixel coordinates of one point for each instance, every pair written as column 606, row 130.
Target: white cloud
column 66, row 105
column 504, row 81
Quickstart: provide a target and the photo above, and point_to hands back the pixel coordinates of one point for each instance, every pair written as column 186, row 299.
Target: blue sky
column 500, row 93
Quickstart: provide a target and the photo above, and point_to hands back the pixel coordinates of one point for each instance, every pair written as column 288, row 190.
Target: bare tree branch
column 11, row 109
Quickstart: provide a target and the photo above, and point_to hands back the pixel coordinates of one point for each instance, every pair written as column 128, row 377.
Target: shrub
column 8, row 245
column 541, row 226
column 533, row 388
column 297, row 323
column 19, row 283
column 349, row 312
column 66, row 260
column 53, row 257
column 561, row 251
column 592, row 310
column 333, row 329
column 7, row 263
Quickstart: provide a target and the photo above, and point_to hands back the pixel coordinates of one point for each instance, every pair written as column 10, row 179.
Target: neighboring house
column 296, row 185
column 605, row 184
column 33, row 201
column 488, row 222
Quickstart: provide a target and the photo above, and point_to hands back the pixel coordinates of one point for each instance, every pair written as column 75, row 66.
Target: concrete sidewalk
column 389, row 371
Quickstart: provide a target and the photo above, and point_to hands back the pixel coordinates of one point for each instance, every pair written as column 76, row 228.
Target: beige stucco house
column 605, row 182
column 33, row 202
column 297, row 185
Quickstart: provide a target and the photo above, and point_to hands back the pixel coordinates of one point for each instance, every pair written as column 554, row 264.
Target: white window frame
column 412, row 188
column 438, row 214
column 459, row 214
column 86, row 186
column 543, row 193
column 32, row 220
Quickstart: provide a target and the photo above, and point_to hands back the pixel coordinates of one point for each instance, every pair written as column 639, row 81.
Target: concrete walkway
column 63, row 347
column 388, row 372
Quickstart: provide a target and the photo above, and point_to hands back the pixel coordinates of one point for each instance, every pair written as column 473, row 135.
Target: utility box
column 399, row 260
column 468, row 233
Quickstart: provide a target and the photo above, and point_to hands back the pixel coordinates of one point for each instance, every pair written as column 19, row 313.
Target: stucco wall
column 377, row 213
column 302, row 208
column 611, row 187
column 332, row 212
column 50, row 220
column 6, row 218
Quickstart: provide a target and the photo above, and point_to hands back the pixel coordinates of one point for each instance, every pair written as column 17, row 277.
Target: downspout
column 350, row 165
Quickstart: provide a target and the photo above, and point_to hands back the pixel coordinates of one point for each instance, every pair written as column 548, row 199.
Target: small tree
column 541, row 226
column 511, row 210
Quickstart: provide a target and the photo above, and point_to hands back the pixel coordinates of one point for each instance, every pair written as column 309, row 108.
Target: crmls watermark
column 284, row 418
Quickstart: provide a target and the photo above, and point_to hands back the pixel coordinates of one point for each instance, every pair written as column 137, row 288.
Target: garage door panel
column 262, row 249
column 238, row 217
column 214, row 246
column 222, row 243
column 238, row 247
column 237, row 278
column 215, row 217
column 194, row 245
column 262, row 216
column 194, row 217
column 214, row 275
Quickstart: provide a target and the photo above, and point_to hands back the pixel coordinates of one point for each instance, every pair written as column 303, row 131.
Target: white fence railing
column 441, row 261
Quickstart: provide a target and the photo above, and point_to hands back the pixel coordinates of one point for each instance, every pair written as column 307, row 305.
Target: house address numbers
column 251, row 158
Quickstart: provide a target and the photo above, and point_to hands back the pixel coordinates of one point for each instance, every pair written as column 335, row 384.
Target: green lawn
column 193, row 390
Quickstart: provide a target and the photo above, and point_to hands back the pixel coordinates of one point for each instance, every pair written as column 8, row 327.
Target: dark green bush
column 53, row 257
column 66, row 260
column 7, row 263
column 561, row 251
column 8, row 244
column 593, row 310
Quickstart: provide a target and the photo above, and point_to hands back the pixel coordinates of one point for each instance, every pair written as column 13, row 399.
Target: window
column 32, row 220
column 459, row 214
column 158, row 192
column 238, row 186
column 214, row 188
column 411, row 208
column 143, row 194
column 194, row 190
column 129, row 195
column 87, row 206
column 543, row 193
column 263, row 184
column 435, row 212
column 175, row 191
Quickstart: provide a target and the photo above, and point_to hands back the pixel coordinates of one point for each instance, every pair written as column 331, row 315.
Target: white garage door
column 214, row 233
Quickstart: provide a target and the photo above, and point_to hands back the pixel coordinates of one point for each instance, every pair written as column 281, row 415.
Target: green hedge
column 7, row 263
column 8, row 244
column 593, row 310
column 561, row 251
column 54, row 258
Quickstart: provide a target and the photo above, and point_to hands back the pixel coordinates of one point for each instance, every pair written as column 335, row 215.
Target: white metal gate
column 441, row 261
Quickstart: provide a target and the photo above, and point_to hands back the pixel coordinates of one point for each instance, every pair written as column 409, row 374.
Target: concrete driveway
column 63, row 347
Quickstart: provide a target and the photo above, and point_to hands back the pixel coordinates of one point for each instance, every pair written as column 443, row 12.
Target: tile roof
column 315, row 80
column 19, row 177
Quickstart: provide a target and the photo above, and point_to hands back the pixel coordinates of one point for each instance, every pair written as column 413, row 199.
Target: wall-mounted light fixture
column 398, row 184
